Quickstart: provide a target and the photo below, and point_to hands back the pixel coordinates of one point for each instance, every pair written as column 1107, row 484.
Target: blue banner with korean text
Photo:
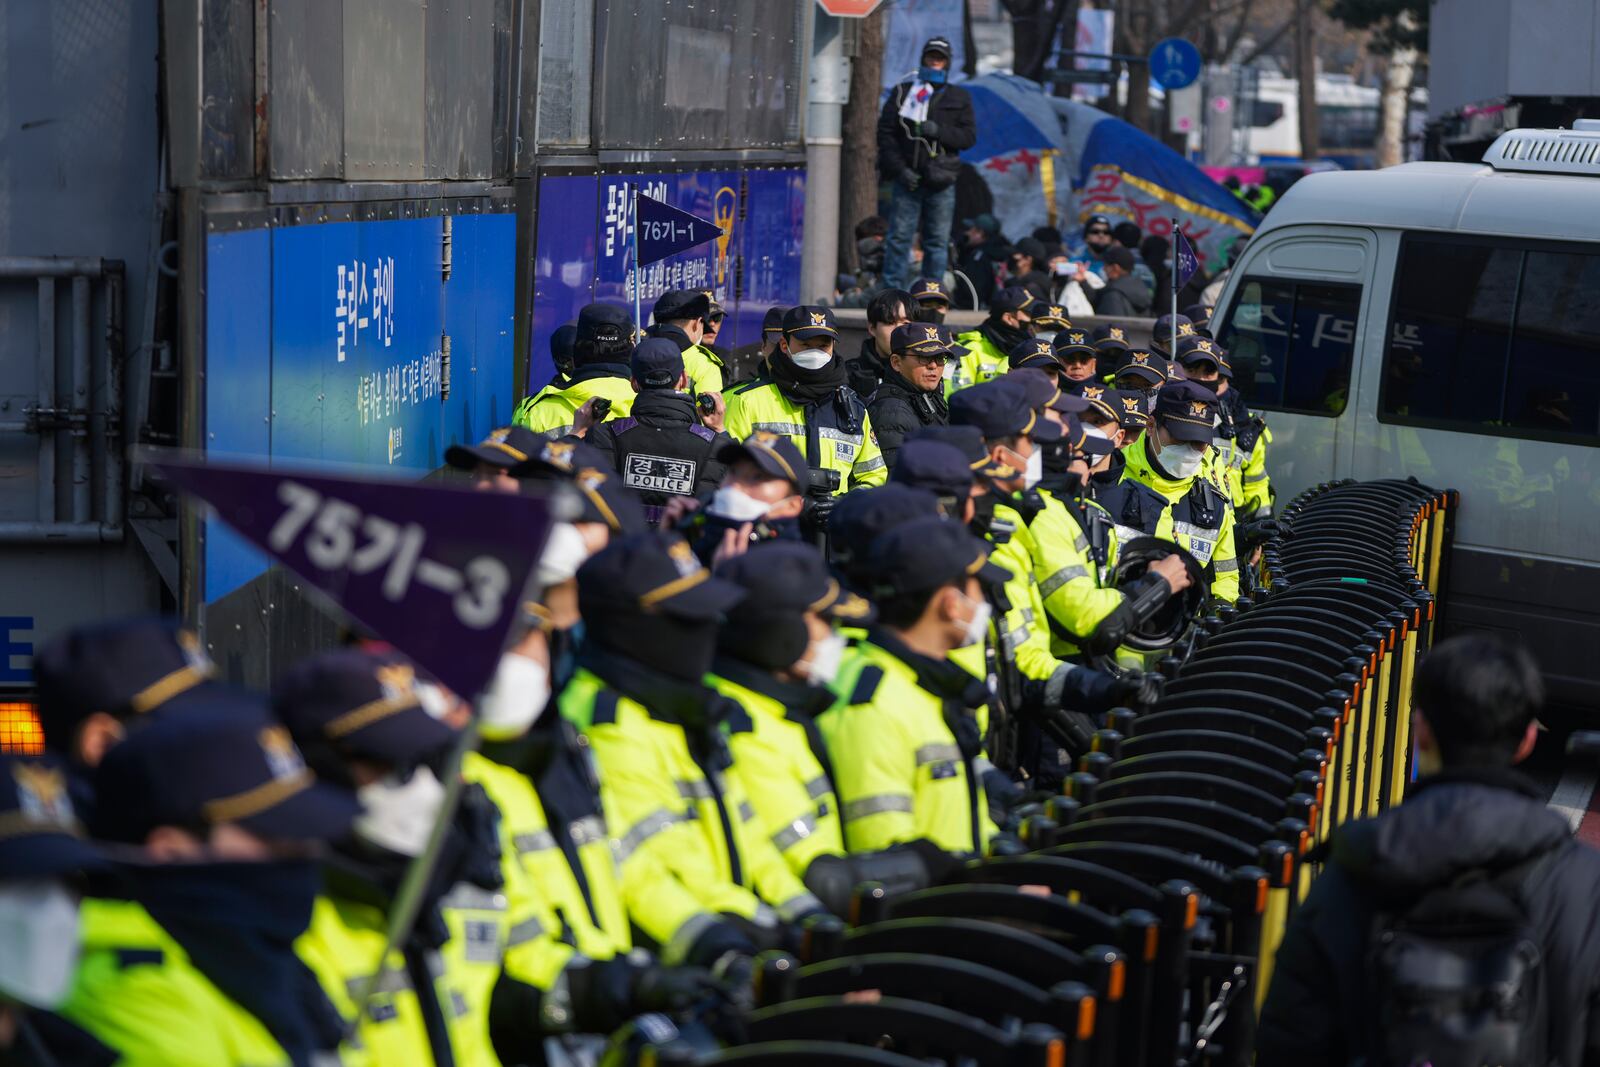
column 349, row 343
column 584, row 248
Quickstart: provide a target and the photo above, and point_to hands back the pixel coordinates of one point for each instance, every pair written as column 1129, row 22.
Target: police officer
column 99, row 682
column 1242, row 436
column 810, row 402
column 1037, row 355
column 760, row 499
column 712, row 326
column 680, row 317
column 699, row 876
column 933, row 300
column 43, row 858
column 1200, row 316
column 359, row 718
column 666, row 446
column 1168, row 458
column 562, row 340
column 1009, row 324
column 1033, row 689
column 1084, row 613
column 1141, row 373
column 1078, row 357
column 911, row 395
column 1168, row 331
column 493, row 463
column 906, row 739
column 1111, row 346
column 600, row 373
column 1050, row 320
column 776, row 654
column 193, row 961
column 771, row 334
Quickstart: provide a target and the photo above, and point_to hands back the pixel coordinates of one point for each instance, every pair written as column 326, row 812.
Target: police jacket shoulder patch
column 866, row 685
column 605, row 708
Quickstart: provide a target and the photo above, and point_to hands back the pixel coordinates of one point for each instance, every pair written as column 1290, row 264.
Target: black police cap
column 920, row 339
column 654, row 573
column 1034, row 352
column 656, row 363
column 681, row 304
column 1187, row 411
column 1102, row 399
column 361, row 703
column 1052, row 315
column 1000, row 408
column 40, row 835
column 604, row 322
column 1073, row 342
column 508, row 447
column 772, row 321
column 1110, row 337
column 775, row 454
column 968, row 440
column 1144, row 365
column 860, row 516
column 930, row 291
column 941, row 45
column 933, row 465
column 127, row 669
column 201, row 767
column 1011, row 298
column 1163, row 329
column 1200, row 315
column 561, row 342
column 1194, row 350
column 791, row 576
column 924, row 554
column 808, row 321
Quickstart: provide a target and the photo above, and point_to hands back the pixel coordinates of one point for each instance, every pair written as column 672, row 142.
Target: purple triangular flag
column 438, row 573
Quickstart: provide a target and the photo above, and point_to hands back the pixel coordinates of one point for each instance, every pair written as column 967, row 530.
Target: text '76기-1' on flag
column 1187, row 262
column 438, row 573
column 664, row 230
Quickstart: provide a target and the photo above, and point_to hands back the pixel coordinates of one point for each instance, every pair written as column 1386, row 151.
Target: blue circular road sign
column 1174, row 63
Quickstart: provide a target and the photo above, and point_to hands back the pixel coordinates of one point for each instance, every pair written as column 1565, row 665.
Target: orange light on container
column 1085, row 1018
column 20, row 731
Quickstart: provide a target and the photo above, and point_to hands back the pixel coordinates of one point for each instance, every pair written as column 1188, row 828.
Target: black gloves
column 1097, row 691
column 816, row 513
column 670, row 989
column 929, row 129
column 910, row 179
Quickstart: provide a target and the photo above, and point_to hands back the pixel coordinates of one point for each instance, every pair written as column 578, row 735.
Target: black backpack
column 1457, row 977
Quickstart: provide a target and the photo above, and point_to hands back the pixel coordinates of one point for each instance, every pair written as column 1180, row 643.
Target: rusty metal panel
column 227, row 93
column 705, row 75
column 306, row 121
column 460, row 90
column 385, row 63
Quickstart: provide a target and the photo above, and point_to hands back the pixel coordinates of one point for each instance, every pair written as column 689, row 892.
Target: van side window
column 1290, row 343
column 1490, row 337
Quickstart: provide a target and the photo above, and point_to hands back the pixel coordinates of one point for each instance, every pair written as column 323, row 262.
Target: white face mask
column 734, row 504
column 1180, row 461
column 398, row 815
column 1034, row 471
column 811, row 358
column 564, row 553
column 978, row 625
column 519, row 693
column 1044, row 335
column 823, row 665
column 38, row 942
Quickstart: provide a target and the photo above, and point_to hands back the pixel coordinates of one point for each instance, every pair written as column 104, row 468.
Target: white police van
column 1442, row 320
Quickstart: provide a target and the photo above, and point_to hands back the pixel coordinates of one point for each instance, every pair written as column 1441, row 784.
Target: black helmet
column 1168, row 625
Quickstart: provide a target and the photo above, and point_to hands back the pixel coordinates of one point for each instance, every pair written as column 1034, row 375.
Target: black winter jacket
column 900, row 409
column 1316, row 1013
column 936, row 158
column 866, row 371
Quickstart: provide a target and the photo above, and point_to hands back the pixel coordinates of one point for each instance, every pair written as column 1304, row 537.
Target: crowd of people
column 775, row 654
column 848, row 621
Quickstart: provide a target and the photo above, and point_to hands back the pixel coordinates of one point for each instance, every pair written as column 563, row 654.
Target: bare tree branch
column 1268, row 43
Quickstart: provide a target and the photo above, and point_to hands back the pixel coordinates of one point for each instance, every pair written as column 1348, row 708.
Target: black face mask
column 1057, row 457
column 238, row 922
column 982, row 514
column 929, row 313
